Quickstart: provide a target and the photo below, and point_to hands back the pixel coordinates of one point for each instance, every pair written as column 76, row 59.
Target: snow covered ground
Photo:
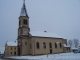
column 62, row 56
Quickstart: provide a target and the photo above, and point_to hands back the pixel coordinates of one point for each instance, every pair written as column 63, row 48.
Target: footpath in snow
column 61, row 56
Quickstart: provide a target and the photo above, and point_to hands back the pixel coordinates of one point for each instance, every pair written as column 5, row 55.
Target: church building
column 37, row 42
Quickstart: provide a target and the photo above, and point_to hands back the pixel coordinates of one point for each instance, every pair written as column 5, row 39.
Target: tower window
column 25, row 22
column 37, row 45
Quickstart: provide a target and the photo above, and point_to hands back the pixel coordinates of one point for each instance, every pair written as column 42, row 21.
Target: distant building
column 11, row 49
column 36, row 43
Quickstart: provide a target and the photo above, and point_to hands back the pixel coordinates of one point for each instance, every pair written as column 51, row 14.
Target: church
column 37, row 42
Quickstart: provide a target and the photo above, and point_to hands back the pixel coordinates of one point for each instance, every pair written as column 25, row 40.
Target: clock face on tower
column 25, row 32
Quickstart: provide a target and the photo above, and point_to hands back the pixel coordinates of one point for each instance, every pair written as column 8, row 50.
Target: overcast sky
column 59, row 16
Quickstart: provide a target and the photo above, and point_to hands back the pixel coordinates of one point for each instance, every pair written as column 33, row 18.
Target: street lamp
column 58, row 46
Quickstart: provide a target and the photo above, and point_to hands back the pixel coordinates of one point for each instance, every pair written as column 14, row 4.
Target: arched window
column 25, row 22
column 44, row 45
column 50, row 45
column 55, row 45
column 37, row 45
column 60, row 45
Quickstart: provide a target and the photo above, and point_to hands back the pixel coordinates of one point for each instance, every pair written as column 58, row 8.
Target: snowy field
column 62, row 56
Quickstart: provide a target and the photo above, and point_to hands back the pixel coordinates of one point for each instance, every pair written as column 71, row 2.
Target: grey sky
column 59, row 16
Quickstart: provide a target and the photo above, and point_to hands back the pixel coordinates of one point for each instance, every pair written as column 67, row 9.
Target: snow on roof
column 12, row 43
column 64, row 45
column 45, row 34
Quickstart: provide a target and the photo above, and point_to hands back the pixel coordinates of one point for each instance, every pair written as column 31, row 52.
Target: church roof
column 45, row 34
column 23, row 10
column 12, row 43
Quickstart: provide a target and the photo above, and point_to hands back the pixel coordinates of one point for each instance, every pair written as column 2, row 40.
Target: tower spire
column 23, row 1
column 23, row 10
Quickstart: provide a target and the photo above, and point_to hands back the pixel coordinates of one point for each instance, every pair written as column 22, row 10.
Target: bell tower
column 23, row 29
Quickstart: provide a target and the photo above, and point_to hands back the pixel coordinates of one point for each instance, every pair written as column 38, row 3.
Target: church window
column 25, row 22
column 44, row 45
column 50, row 45
column 37, row 45
column 25, row 43
column 60, row 45
column 55, row 45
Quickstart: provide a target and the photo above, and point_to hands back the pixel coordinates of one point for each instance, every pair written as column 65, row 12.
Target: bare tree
column 70, row 43
column 76, row 42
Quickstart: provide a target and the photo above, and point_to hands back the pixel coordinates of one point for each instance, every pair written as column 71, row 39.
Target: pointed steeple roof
column 23, row 10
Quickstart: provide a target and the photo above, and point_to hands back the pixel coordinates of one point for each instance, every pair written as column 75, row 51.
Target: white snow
column 74, row 48
column 64, row 45
column 23, row 10
column 12, row 43
column 61, row 56
column 45, row 34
